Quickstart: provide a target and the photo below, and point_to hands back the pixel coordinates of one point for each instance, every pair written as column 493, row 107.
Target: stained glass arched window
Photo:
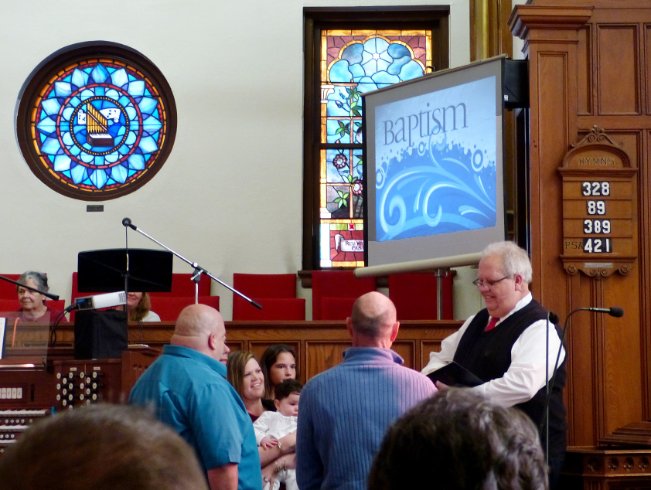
column 96, row 121
column 351, row 58
column 357, row 62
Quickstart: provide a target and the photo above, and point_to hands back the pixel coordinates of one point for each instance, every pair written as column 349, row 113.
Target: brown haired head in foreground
column 459, row 441
column 101, row 447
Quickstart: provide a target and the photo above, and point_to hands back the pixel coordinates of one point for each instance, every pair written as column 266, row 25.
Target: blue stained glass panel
column 356, row 63
column 98, row 124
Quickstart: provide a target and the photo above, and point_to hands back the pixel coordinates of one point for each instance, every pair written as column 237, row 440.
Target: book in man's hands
column 455, row 374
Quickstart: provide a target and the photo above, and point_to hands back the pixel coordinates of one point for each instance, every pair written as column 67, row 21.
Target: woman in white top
column 138, row 305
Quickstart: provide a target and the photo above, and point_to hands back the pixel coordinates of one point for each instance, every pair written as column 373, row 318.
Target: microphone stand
column 616, row 312
column 198, row 270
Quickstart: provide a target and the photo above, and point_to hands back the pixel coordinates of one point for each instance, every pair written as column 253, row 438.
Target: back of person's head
column 103, row 447
column 460, row 441
column 286, row 388
column 235, row 367
column 373, row 315
column 196, row 320
column 515, row 259
column 39, row 278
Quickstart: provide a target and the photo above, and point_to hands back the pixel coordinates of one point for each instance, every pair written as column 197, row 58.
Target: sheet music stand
column 104, row 334
column 128, row 269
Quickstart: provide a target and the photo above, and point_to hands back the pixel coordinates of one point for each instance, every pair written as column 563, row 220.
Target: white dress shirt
column 529, row 357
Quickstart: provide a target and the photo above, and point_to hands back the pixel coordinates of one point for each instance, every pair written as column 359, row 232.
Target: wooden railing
column 318, row 344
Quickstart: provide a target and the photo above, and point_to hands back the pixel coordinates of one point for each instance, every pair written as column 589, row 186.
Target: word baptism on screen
column 425, row 123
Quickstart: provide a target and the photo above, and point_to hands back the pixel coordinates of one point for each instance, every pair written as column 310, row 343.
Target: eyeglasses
column 481, row 283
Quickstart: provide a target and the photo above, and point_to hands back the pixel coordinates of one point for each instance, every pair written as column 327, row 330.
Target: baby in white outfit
column 271, row 426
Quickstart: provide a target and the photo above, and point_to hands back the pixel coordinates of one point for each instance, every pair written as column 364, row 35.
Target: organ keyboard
column 28, row 394
column 14, row 422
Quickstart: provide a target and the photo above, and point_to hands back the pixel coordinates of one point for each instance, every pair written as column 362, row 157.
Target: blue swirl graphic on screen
column 435, row 188
column 435, row 155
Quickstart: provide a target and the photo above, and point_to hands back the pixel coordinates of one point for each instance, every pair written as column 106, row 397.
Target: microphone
column 127, row 222
column 612, row 311
column 106, row 300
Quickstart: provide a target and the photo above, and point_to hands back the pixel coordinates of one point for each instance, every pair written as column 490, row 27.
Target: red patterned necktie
column 491, row 324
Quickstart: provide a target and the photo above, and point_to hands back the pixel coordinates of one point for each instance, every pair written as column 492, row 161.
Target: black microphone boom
column 127, row 222
column 612, row 311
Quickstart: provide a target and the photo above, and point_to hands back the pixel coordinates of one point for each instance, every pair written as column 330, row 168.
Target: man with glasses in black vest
column 505, row 345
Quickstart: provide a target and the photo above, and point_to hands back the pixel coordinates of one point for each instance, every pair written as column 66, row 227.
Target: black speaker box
column 516, row 84
column 100, row 334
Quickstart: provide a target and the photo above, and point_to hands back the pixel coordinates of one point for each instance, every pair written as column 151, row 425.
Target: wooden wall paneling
column 589, row 67
column 585, row 103
column 617, row 63
column 407, row 350
column 321, row 355
column 645, row 266
column 319, row 344
column 554, row 86
column 646, row 53
column 580, row 390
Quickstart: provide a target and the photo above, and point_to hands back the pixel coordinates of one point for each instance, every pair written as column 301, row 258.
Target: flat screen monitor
column 105, row 270
column 433, row 149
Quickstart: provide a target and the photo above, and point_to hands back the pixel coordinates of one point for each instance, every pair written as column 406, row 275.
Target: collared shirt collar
column 518, row 306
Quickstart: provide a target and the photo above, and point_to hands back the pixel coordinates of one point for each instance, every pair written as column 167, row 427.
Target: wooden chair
column 334, row 292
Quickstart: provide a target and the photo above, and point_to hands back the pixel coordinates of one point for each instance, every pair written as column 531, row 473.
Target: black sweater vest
column 488, row 355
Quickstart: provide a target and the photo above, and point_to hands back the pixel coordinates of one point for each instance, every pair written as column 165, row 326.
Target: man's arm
column 223, row 478
column 448, row 348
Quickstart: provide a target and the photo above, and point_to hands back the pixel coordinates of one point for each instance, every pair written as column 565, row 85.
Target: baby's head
column 286, row 397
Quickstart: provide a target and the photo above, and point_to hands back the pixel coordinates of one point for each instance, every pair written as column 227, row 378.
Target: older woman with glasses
column 511, row 346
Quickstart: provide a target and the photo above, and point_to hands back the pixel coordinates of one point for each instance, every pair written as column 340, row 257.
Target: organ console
column 63, row 383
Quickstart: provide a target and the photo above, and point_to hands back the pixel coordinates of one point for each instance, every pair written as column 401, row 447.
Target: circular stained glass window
column 96, row 121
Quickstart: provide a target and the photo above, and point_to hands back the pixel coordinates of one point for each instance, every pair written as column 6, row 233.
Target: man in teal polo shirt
column 188, row 388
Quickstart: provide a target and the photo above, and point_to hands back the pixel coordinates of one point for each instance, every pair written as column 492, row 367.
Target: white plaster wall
column 230, row 194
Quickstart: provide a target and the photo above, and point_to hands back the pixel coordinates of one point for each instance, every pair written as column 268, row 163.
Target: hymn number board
column 599, row 208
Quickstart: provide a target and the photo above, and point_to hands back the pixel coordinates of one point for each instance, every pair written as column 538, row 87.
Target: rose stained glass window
column 96, row 121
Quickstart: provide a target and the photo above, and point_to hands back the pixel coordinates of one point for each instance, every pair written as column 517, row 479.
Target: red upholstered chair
column 416, row 298
column 183, row 285
column 8, row 289
column 334, row 292
column 272, row 309
column 276, row 293
column 9, row 305
column 169, row 307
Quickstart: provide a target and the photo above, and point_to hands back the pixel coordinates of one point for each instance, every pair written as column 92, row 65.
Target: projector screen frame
column 467, row 244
